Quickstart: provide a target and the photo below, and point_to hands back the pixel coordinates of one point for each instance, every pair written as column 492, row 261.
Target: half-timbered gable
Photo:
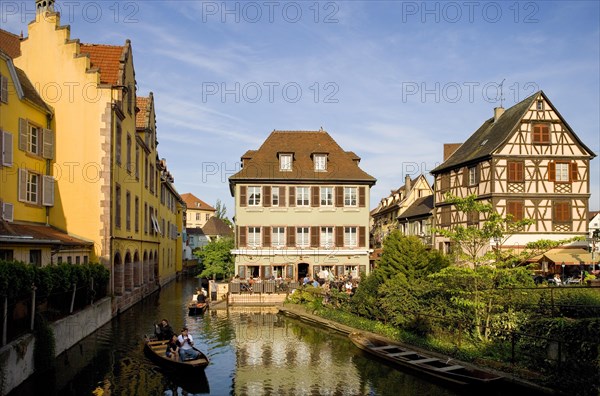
column 528, row 163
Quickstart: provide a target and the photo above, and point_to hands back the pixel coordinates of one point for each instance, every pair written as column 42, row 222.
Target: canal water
column 252, row 351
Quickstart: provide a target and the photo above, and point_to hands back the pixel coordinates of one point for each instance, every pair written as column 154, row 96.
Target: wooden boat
column 156, row 351
column 402, row 356
column 196, row 308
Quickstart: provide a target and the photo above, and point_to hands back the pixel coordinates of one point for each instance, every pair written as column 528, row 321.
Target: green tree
column 216, row 258
column 474, row 240
column 221, row 213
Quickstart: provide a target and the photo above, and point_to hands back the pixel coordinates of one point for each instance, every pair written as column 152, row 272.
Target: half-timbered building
column 527, row 162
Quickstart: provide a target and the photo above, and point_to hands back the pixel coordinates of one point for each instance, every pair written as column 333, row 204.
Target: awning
column 567, row 257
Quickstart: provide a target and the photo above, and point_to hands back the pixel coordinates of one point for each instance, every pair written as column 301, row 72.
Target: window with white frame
column 254, row 196
column 302, row 237
column 320, row 162
column 327, row 237
column 326, row 196
column 254, row 236
column 274, row 196
column 350, row 196
column 562, row 171
column 472, row 175
column 302, row 196
column 350, row 238
column 29, row 186
column 278, row 237
column 285, row 162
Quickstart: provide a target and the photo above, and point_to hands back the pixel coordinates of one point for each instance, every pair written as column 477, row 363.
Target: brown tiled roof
column 194, row 231
column 216, row 226
column 106, row 58
column 592, row 214
column 34, row 233
column 30, row 92
column 191, row 200
column 264, row 163
column 421, row 207
column 492, row 135
column 142, row 115
column 10, row 44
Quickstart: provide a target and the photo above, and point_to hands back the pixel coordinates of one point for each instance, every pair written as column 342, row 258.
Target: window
column 145, row 218
column 274, row 196
column 69, row 260
column 128, row 211
column 118, row 139
column 253, row 236
column 152, row 179
column 285, row 162
column 129, row 165
column 278, row 237
column 77, row 260
column 35, row 257
column 6, row 254
column 6, row 149
column 539, row 105
column 207, row 217
column 30, row 187
column 197, row 216
column 349, row 196
column 327, row 237
column 302, row 196
column 146, row 172
column 515, row 210
column 541, row 134
column 515, row 171
column 118, row 206
column 136, row 209
column 562, row 172
column 33, row 140
column 137, row 162
column 472, row 175
column 562, row 212
column 85, row 259
column 3, row 89
column 326, row 196
column 254, row 196
column 320, row 162
column 350, row 237
column 302, row 237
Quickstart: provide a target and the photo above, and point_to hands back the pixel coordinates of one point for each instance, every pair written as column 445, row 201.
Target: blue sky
column 390, row 80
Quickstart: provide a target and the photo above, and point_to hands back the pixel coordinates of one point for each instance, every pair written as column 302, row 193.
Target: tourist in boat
column 173, row 348
column 201, row 298
column 186, row 346
column 163, row 330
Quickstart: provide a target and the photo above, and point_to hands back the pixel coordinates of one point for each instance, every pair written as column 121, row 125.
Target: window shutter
column 339, row 196
column 22, row 184
column 552, row 171
column 48, row 191
column 48, row 149
column 465, row 176
column 314, row 201
column 266, row 231
column 291, row 236
column 314, row 236
column 242, row 236
column 7, row 211
column 266, row 196
column 282, row 196
column 292, row 199
column 22, row 134
column 339, row 236
column 573, row 171
column 7, row 149
column 242, row 195
column 3, row 89
column 361, row 197
column 362, row 234
column 477, row 173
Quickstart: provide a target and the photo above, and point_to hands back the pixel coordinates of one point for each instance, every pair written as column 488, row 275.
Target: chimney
column 449, row 149
column 407, row 184
column 498, row 111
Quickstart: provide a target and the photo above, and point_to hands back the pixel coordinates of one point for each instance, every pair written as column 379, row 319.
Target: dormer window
column 539, row 105
column 320, row 161
column 285, row 162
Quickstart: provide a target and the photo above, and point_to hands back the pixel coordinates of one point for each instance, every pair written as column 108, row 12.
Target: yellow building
column 27, row 135
column 110, row 187
column 198, row 211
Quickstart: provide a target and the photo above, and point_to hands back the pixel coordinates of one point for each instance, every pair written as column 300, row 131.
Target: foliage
column 16, row 278
column 474, row 240
column 44, row 347
column 535, row 248
column 405, row 255
column 216, row 258
column 221, row 213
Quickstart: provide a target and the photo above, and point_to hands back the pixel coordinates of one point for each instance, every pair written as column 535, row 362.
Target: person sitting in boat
column 201, row 297
column 186, row 346
column 173, row 348
column 163, row 330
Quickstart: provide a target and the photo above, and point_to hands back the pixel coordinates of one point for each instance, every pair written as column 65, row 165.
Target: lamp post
column 497, row 240
column 593, row 240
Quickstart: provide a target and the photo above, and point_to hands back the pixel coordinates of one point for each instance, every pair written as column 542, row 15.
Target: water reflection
column 252, row 351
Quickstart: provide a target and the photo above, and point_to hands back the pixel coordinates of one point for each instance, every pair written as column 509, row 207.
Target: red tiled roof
column 33, row 233
column 140, row 117
column 263, row 164
column 106, row 58
column 191, row 200
column 10, row 44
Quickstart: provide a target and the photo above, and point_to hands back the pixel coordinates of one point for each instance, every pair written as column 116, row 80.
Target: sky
column 391, row 81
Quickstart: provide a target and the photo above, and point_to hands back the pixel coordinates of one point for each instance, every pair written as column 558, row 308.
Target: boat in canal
column 196, row 308
column 155, row 349
column 403, row 357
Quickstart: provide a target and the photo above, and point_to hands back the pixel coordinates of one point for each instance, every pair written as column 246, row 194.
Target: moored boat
column 399, row 355
column 156, row 351
column 196, row 308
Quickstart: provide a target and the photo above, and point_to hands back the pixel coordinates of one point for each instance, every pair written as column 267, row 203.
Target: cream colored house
column 301, row 205
column 527, row 162
column 198, row 212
